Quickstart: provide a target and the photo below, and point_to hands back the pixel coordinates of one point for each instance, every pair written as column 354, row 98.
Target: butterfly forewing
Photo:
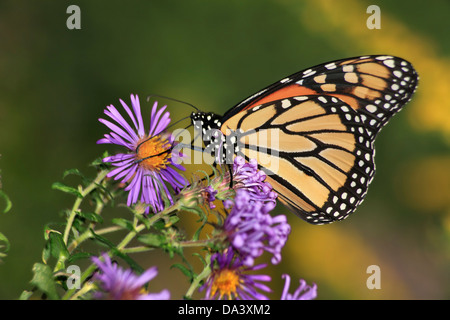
column 376, row 86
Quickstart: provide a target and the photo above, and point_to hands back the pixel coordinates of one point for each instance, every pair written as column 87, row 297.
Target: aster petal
column 145, row 277
column 309, row 293
column 109, row 139
column 255, row 285
column 137, row 111
column 129, row 112
column 120, row 159
column 120, row 284
column 103, row 140
column 161, row 187
column 127, row 174
column 150, row 193
column 176, row 161
column 162, row 123
column 155, row 118
column 287, row 283
column 117, row 130
column 154, row 108
column 163, row 295
column 115, row 115
column 303, row 292
column 134, row 187
column 173, row 177
column 119, row 172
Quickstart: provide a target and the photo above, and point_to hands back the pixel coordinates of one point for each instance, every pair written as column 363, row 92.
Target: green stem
column 86, row 274
column 137, row 249
column 88, row 234
column 101, row 175
column 76, row 205
column 198, row 243
column 130, row 236
column 161, row 214
column 196, row 282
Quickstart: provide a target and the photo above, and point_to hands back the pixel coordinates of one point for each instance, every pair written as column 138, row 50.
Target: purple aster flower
column 251, row 230
column 150, row 164
column 247, row 176
column 303, row 292
column 230, row 279
column 117, row 283
column 210, row 196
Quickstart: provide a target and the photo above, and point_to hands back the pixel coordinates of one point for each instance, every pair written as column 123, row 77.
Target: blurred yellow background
column 55, row 83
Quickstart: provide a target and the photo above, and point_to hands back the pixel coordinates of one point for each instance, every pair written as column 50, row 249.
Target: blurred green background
column 55, row 83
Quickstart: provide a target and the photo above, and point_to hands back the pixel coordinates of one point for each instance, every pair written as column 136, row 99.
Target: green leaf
column 159, row 225
column 74, row 172
column 184, row 270
column 55, row 246
column 152, row 239
column 78, row 256
column 136, row 267
column 195, row 210
column 133, row 264
column 4, row 239
column 173, row 220
column 62, row 187
column 124, row 223
column 4, row 248
column 43, row 280
column 143, row 219
column 196, row 235
column 103, row 240
column 165, row 222
column 202, row 259
column 58, row 246
column 99, row 161
column 91, row 216
column 46, row 253
column 25, row 295
column 8, row 202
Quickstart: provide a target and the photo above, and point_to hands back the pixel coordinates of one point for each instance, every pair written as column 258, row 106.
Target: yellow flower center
column 226, row 282
column 153, row 154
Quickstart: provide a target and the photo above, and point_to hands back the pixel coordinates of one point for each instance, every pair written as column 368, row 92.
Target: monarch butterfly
column 325, row 120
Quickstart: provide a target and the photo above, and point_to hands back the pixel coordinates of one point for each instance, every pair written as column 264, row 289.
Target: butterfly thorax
column 205, row 121
column 208, row 126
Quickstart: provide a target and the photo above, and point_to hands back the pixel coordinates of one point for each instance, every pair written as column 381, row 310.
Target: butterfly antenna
column 179, row 122
column 169, row 98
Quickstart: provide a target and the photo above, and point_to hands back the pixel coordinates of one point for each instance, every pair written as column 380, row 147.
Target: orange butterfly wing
column 313, row 132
